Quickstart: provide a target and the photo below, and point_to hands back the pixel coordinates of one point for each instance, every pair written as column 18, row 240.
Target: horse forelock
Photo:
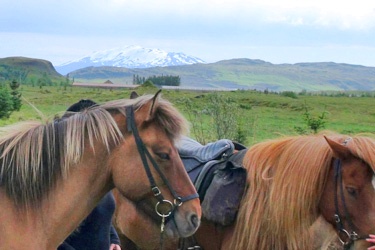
column 363, row 147
column 164, row 114
column 168, row 118
column 286, row 179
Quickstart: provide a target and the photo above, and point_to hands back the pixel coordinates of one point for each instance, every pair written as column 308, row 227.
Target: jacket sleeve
column 65, row 246
column 114, row 236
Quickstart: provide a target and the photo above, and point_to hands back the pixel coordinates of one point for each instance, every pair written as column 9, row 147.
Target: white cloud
column 212, row 29
column 344, row 14
column 340, row 14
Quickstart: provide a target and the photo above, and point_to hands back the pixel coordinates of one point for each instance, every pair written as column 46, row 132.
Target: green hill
column 235, row 73
column 247, row 74
column 26, row 69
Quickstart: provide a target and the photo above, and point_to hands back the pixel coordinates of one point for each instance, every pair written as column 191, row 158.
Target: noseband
column 144, row 153
column 350, row 234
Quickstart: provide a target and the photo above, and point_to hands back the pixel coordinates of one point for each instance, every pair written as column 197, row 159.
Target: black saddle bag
column 223, row 195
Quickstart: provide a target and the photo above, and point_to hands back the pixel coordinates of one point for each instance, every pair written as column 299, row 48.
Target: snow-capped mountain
column 129, row 57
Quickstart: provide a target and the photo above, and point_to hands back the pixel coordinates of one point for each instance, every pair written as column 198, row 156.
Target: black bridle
column 350, row 234
column 144, row 153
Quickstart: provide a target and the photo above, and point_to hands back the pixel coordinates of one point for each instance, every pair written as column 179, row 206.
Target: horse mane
column 286, row 177
column 35, row 155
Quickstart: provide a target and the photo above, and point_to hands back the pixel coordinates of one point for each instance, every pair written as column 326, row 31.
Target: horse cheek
column 124, row 172
column 326, row 206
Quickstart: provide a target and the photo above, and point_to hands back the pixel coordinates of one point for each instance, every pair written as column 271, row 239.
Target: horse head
column 348, row 201
column 163, row 190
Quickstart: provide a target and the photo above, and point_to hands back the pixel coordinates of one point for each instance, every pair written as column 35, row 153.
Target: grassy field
column 261, row 116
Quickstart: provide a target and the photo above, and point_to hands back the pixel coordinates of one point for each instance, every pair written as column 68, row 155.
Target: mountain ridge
column 244, row 73
column 240, row 73
column 133, row 56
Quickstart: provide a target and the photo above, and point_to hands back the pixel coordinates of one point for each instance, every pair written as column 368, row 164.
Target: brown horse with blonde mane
column 297, row 187
column 52, row 175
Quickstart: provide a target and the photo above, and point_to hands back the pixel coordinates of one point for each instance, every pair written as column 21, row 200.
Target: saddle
column 217, row 173
column 195, row 156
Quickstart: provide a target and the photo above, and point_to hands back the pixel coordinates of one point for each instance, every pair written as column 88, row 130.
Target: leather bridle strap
column 351, row 234
column 144, row 153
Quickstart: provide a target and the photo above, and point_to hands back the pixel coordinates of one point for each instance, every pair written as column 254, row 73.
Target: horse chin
column 360, row 244
column 178, row 227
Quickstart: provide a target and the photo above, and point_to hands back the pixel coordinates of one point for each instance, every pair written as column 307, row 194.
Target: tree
column 16, row 95
column 223, row 114
column 6, row 103
column 314, row 123
column 222, row 111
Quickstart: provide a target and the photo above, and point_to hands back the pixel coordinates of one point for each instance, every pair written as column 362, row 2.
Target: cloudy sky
column 278, row 31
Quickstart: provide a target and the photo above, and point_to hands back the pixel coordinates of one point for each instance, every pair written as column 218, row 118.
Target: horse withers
column 52, row 175
column 294, row 184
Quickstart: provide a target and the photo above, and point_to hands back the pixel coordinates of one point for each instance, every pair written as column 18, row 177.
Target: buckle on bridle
column 178, row 201
column 156, row 191
column 351, row 237
column 337, row 218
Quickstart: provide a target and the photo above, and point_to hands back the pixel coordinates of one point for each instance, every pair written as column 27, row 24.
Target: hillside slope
column 247, row 74
column 22, row 67
column 32, row 64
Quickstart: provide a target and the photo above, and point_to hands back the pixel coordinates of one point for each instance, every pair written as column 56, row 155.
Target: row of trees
column 163, row 80
column 9, row 73
column 10, row 99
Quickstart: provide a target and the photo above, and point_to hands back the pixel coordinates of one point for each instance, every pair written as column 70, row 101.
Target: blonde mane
column 286, row 178
column 34, row 155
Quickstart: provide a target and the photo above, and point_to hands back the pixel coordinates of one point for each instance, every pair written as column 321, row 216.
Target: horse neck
column 61, row 212
column 79, row 194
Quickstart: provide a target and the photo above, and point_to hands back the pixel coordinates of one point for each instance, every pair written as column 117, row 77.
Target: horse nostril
column 194, row 220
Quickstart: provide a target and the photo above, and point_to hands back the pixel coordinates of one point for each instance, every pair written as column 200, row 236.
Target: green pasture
column 259, row 115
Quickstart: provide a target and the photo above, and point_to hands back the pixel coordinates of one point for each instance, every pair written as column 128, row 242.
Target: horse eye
column 163, row 156
column 351, row 191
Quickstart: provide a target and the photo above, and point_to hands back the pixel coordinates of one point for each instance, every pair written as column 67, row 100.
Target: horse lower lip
column 194, row 220
column 171, row 230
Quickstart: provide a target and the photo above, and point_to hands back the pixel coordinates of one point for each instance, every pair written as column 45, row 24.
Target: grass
column 262, row 116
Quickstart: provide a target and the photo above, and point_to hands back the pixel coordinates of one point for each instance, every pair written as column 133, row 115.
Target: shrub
column 290, row 94
column 6, row 103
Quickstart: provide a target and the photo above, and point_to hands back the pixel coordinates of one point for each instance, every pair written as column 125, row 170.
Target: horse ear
column 340, row 151
column 146, row 112
column 133, row 95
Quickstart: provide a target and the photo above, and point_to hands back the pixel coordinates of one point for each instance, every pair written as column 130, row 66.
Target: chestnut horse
column 292, row 183
column 52, row 175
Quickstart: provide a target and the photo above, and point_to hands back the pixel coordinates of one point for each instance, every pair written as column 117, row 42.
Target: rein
column 145, row 154
column 350, row 234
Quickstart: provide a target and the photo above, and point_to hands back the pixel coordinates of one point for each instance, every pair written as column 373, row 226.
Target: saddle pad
column 194, row 154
